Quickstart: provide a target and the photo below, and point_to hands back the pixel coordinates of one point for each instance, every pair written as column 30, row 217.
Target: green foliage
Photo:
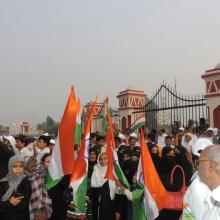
column 49, row 126
column 4, row 130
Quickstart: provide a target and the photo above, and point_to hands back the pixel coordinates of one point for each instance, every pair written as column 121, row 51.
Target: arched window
column 216, row 117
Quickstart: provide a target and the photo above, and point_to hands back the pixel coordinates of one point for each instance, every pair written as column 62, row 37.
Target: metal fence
column 168, row 109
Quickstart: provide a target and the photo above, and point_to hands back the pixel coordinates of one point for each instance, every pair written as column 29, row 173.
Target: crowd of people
column 24, row 162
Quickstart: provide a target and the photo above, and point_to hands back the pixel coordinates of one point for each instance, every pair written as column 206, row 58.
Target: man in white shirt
column 21, row 145
column 187, row 141
column 209, row 172
column 42, row 147
column 194, row 201
column 161, row 138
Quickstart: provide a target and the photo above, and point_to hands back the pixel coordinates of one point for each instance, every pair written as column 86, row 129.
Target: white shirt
column 161, row 140
column 194, row 138
column 41, row 154
column 187, row 145
column 213, row 212
column 27, row 152
column 195, row 200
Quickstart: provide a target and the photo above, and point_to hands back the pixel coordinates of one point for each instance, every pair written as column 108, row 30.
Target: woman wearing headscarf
column 15, row 191
column 169, row 162
column 40, row 205
column 154, row 152
column 103, row 191
column 10, row 142
column 183, row 161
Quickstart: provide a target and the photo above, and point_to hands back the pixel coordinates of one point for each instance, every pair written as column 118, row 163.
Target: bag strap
column 183, row 175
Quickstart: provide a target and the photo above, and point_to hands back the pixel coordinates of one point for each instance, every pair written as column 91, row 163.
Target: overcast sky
column 101, row 47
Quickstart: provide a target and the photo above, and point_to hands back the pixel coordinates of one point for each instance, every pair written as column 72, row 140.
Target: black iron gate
column 169, row 109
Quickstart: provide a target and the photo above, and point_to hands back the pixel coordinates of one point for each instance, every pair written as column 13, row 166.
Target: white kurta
column 161, row 140
column 213, row 212
column 195, row 200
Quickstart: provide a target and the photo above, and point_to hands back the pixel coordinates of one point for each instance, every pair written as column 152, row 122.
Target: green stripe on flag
column 80, row 196
column 78, row 133
column 139, row 125
column 105, row 124
column 49, row 182
column 121, row 175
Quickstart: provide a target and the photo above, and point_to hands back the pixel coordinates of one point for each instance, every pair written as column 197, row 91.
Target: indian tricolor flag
column 78, row 130
column 155, row 195
column 62, row 158
column 79, row 176
column 138, row 123
column 114, row 170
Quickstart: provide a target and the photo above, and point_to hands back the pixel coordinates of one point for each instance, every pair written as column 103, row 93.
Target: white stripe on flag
column 150, row 206
column 75, row 185
column 55, row 167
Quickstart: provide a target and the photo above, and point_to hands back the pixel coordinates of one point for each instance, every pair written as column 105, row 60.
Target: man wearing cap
column 209, row 172
column 179, row 136
column 121, row 140
column 211, row 136
column 194, row 201
column 52, row 144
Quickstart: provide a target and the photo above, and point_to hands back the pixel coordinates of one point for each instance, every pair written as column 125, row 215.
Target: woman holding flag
column 103, row 191
column 136, row 197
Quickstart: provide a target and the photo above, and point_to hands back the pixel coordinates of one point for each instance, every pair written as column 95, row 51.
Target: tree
column 4, row 130
column 49, row 126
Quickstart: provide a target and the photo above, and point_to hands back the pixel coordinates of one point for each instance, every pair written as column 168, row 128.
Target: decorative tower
column 25, row 128
column 129, row 99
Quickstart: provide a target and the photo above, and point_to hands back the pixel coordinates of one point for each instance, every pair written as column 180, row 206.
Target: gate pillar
column 212, row 94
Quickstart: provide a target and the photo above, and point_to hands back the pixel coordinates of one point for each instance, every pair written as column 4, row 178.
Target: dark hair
column 154, row 131
column 136, row 148
column 151, row 145
column 131, row 137
column 46, row 139
column 127, row 152
column 166, row 150
column 136, row 154
column 168, row 137
column 99, row 138
column 151, row 136
column 45, row 156
column 22, row 138
column 95, row 151
column 93, row 135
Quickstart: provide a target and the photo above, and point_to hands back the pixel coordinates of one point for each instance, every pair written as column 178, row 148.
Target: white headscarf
column 98, row 179
column 12, row 141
